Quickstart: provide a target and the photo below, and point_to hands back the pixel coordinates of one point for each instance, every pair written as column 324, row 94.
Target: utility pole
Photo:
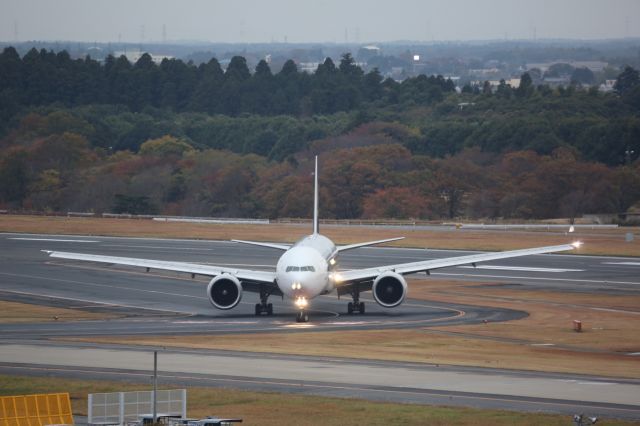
column 155, row 387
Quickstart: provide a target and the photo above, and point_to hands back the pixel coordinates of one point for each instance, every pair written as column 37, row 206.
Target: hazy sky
column 315, row 21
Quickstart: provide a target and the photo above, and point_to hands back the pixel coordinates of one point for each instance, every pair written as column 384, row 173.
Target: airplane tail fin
column 316, row 220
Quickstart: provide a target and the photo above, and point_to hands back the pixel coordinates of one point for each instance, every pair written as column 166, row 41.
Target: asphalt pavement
column 161, row 303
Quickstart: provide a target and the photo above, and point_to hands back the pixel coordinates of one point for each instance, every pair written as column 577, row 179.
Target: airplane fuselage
column 304, row 271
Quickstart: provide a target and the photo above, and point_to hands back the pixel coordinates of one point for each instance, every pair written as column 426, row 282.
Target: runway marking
column 616, row 310
column 89, row 301
column 542, row 344
column 286, row 384
column 103, row 285
column 169, row 248
column 622, row 263
column 537, row 278
column 213, row 321
column 584, row 382
column 301, row 325
column 521, row 268
column 52, row 239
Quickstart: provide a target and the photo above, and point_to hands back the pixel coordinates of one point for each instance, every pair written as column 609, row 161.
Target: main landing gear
column 356, row 306
column 263, row 307
column 302, row 316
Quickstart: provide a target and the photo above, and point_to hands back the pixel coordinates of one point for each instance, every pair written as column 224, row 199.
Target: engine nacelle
column 224, row 291
column 389, row 289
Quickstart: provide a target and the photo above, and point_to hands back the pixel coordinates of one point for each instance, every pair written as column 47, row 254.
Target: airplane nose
column 303, row 285
column 297, row 287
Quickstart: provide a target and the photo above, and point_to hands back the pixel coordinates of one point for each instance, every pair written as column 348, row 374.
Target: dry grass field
column 12, row 312
column 596, row 242
column 271, row 409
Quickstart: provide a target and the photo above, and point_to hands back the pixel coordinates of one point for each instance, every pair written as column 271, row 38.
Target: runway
column 169, row 303
column 155, row 303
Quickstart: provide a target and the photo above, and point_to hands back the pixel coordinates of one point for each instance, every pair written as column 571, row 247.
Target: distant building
column 484, row 72
column 594, row 66
column 308, row 67
column 134, row 55
column 607, row 86
column 367, row 52
column 513, row 82
column 557, row 81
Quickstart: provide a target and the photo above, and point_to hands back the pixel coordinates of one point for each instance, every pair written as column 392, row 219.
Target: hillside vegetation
column 181, row 139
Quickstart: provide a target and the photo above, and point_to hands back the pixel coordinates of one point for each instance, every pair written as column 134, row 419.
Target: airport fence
column 127, row 407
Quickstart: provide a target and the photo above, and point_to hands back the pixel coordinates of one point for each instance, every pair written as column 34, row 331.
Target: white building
column 134, row 55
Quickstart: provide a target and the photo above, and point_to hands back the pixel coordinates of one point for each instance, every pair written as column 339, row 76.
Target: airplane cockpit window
column 300, row 268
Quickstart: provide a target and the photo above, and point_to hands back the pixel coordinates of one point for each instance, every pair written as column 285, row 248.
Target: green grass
column 265, row 408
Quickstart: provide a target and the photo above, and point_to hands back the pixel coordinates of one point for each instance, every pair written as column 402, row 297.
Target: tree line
column 45, row 77
column 366, row 173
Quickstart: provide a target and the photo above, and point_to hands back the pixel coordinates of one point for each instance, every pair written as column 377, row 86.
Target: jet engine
column 224, row 291
column 389, row 289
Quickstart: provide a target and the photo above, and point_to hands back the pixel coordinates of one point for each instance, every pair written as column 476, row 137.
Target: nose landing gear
column 302, row 316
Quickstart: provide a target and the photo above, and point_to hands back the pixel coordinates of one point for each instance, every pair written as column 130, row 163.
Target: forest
column 178, row 139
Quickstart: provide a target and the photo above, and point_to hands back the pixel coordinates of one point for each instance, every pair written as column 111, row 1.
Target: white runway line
column 622, row 263
column 51, row 239
column 520, row 268
column 538, row 278
column 158, row 247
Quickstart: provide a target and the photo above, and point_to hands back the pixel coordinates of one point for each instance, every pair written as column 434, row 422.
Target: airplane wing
column 344, row 278
column 368, row 243
column 283, row 247
column 265, row 277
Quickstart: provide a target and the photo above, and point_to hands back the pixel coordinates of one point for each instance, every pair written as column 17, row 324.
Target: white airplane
column 308, row 269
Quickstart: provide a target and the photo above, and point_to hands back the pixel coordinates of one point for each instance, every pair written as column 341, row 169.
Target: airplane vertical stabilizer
column 316, row 219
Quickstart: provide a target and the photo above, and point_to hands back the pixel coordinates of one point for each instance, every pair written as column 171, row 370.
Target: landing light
column 332, row 262
column 337, row 278
column 296, row 286
column 577, row 244
column 301, row 302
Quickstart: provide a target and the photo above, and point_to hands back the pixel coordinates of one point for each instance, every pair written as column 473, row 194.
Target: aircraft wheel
column 350, row 308
column 258, row 309
column 269, row 309
column 361, row 306
column 302, row 316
